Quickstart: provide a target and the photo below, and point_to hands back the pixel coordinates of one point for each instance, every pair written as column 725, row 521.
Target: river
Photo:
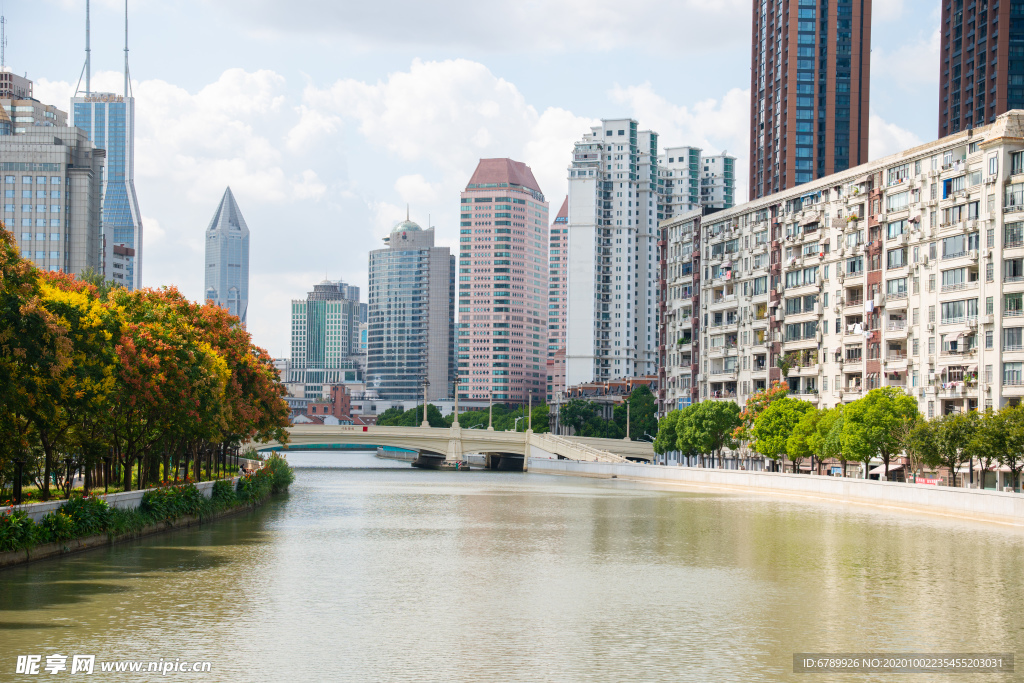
column 369, row 570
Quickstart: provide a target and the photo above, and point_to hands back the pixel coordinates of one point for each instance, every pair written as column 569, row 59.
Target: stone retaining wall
column 973, row 504
column 128, row 500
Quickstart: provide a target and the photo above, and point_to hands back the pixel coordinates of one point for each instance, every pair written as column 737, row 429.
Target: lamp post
column 627, row 420
column 426, row 422
column 490, row 412
column 455, row 387
column 529, row 415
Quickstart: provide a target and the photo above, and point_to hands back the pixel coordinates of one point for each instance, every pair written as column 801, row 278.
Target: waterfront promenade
column 973, row 504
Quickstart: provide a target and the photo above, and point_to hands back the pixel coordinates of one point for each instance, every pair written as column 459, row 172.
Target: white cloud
column 887, row 10
column 888, row 138
column 534, row 25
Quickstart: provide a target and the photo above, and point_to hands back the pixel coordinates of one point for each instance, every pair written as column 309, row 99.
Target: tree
column 1012, row 421
column 756, row 405
column 946, row 441
column 577, row 413
column 801, row 440
column 786, row 362
column 539, row 417
column 827, row 442
column 643, row 409
column 688, row 440
column 396, row 417
column 709, row 427
column 873, row 425
column 667, row 437
column 773, row 427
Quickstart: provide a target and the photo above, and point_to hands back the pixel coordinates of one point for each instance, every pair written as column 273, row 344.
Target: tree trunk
column 127, row 474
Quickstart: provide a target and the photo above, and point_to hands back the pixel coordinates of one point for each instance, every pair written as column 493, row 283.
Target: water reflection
column 407, row 575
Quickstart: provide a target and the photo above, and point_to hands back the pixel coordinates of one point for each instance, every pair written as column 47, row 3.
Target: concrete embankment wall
column 972, row 504
column 128, row 500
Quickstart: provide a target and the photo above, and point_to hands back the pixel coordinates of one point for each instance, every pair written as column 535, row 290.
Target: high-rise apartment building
column 905, row 272
column 688, row 180
column 51, row 181
column 810, row 65
column 411, row 316
column 325, row 337
column 981, row 63
column 22, row 108
column 558, row 250
column 612, row 266
column 227, row 258
column 109, row 121
column 503, row 284
column 718, row 181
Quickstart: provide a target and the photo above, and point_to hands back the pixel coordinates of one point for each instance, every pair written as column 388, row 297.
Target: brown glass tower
column 810, row 66
column 981, row 62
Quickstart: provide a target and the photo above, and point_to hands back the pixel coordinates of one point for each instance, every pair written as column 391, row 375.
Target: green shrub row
column 80, row 517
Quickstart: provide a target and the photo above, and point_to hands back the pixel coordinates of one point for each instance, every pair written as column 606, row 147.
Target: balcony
column 896, row 356
column 957, row 286
column 855, row 302
column 896, row 325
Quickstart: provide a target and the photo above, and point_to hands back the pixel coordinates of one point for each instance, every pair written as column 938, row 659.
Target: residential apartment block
column 503, row 284
column 981, row 62
column 809, row 77
column 905, row 272
column 612, row 263
column 688, row 180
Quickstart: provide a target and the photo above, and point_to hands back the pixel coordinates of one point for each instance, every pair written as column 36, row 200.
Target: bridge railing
column 583, row 449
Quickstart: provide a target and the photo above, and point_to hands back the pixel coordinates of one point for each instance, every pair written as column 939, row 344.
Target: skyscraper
column 503, row 273
column 688, row 180
column 810, row 65
column 109, row 120
column 558, row 250
column 411, row 316
column 325, row 337
column 227, row 258
column 981, row 63
column 612, row 264
column 52, row 197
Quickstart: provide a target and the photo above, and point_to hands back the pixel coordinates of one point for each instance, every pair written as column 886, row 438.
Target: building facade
column 558, row 250
column 688, row 180
column 325, row 338
column 905, row 272
column 410, row 336
column 52, row 190
column 718, row 181
column 109, row 121
column 612, row 269
column 227, row 258
column 810, row 68
column 981, row 63
column 503, row 284
column 678, row 327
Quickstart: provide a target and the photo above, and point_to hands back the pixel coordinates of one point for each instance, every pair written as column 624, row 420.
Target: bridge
column 446, row 446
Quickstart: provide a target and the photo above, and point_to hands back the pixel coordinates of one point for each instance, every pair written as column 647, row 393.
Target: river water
column 369, row 570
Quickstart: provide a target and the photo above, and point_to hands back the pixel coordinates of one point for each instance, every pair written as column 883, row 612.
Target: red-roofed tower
column 503, row 284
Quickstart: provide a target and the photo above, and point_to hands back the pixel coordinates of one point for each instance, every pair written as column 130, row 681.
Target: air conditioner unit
column 931, row 327
column 924, row 259
column 991, row 180
column 972, row 323
column 973, row 254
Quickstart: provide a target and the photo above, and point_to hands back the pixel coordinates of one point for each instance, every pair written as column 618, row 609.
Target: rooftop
column 494, row 172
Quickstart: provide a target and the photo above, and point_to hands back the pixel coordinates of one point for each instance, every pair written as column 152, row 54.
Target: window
column 1013, row 339
column 1013, row 234
column 988, row 339
column 896, row 258
column 896, row 289
column 1013, row 270
column 898, row 201
column 1013, row 374
column 895, row 229
column 855, row 265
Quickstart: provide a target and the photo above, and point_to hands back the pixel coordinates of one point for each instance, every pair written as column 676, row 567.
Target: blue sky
column 327, row 117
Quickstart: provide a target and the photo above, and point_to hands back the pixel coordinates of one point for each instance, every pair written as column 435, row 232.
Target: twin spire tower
column 109, row 120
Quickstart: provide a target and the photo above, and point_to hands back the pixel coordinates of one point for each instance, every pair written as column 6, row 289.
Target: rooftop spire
column 406, row 212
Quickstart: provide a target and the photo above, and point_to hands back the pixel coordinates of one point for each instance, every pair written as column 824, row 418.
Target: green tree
column 539, row 417
column 667, row 437
column 773, row 427
column 643, row 414
column 757, row 404
column 874, row 425
column 802, row 439
column 946, row 441
column 577, row 414
column 1012, row 422
column 827, row 442
column 709, row 428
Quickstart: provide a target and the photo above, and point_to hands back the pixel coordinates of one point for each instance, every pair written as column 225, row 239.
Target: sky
column 328, row 117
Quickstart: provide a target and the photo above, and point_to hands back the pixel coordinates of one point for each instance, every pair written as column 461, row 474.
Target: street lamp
column 490, row 412
column 455, row 387
column 626, row 401
column 426, row 422
column 515, row 427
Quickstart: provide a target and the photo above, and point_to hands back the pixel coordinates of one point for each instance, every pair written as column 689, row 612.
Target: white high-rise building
column 689, row 180
column 612, row 264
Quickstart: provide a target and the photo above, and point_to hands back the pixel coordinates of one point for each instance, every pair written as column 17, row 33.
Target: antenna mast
column 87, row 67
column 3, row 41
column 126, row 49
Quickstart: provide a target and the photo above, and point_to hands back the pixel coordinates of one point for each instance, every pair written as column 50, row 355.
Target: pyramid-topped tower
column 227, row 258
